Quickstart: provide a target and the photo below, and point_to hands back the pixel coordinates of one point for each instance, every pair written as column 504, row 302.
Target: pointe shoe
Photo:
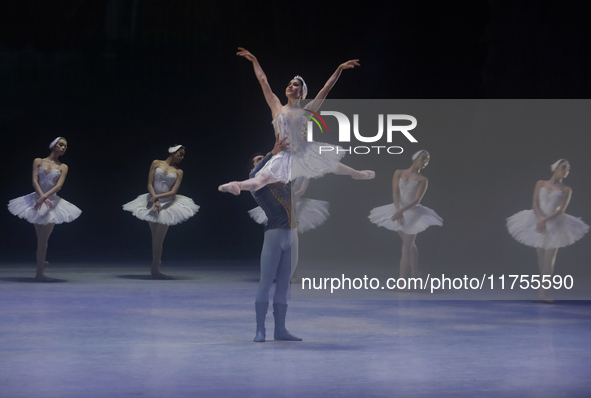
column 281, row 333
column 161, row 277
column 364, row 175
column 231, row 187
column 542, row 298
column 42, row 278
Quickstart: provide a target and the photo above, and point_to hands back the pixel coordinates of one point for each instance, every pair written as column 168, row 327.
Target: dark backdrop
column 123, row 80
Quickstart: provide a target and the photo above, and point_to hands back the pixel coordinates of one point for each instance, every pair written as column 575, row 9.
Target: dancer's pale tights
column 277, row 263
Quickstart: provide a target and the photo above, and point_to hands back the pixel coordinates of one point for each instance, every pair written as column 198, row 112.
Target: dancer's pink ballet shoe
column 281, row 333
column 232, row 187
column 364, row 175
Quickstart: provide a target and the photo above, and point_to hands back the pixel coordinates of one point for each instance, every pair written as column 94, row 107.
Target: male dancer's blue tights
column 276, row 263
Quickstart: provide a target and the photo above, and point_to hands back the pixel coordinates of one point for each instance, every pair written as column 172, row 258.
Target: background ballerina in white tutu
column 303, row 159
column 162, row 207
column 406, row 216
column 546, row 226
column 43, row 208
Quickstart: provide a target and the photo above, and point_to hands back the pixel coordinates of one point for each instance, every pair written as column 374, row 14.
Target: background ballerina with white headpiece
column 162, row 207
column 546, row 226
column 44, row 208
column 303, row 159
column 406, row 215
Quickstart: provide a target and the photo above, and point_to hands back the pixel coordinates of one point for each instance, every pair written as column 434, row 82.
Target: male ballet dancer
column 281, row 238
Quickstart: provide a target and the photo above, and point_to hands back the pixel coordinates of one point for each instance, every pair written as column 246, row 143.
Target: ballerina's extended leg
column 252, row 184
column 341, row 169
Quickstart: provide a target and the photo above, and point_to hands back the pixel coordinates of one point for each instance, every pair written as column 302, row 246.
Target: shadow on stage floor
column 29, row 279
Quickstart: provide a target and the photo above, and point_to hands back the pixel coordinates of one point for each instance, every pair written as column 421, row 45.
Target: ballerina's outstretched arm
column 270, row 97
column 315, row 104
column 256, row 183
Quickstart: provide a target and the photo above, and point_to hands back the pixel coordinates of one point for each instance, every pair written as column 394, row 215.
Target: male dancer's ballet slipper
column 281, row 333
column 364, row 175
column 232, row 187
column 261, row 314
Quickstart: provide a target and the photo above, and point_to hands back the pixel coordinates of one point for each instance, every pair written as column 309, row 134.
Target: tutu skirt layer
column 173, row 211
column 61, row 211
column 416, row 219
column 307, row 162
column 258, row 215
column 561, row 231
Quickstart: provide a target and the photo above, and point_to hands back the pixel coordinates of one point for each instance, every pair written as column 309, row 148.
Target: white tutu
column 173, row 209
column 172, row 212
column 309, row 213
column 561, row 231
column 61, row 211
column 416, row 219
column 303, row 158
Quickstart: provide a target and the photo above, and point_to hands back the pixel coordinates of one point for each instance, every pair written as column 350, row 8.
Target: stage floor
column 110, row 331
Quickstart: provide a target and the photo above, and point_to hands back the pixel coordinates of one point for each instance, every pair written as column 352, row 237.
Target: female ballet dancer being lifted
column 303, row 158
